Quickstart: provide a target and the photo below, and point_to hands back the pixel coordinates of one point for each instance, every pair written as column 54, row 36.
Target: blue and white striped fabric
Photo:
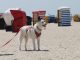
column 65, row 17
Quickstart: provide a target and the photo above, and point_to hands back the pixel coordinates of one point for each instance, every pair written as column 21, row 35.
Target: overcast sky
column 50, row 6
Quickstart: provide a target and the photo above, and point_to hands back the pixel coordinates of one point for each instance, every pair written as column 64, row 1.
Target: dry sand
column 57, row 43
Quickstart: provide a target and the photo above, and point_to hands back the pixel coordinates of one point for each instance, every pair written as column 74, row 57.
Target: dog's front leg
column 38, row 43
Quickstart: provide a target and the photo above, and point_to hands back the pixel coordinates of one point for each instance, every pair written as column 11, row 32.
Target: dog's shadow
column 35, row 50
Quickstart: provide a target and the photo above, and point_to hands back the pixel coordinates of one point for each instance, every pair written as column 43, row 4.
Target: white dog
column 33, row 32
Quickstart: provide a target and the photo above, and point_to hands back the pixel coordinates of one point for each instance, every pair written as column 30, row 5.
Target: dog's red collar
column 37, row 34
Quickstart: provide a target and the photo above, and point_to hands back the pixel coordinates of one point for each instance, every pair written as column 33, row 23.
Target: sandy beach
column 57, row 43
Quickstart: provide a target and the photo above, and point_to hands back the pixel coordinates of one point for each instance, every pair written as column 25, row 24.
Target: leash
column 9, row 40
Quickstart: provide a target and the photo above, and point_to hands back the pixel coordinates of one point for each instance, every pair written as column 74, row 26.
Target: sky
column 50, row 6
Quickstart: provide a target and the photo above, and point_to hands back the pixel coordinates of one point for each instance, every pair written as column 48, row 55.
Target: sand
column 57, row 43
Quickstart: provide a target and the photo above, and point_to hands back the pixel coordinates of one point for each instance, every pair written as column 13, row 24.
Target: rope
column 9, row 40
